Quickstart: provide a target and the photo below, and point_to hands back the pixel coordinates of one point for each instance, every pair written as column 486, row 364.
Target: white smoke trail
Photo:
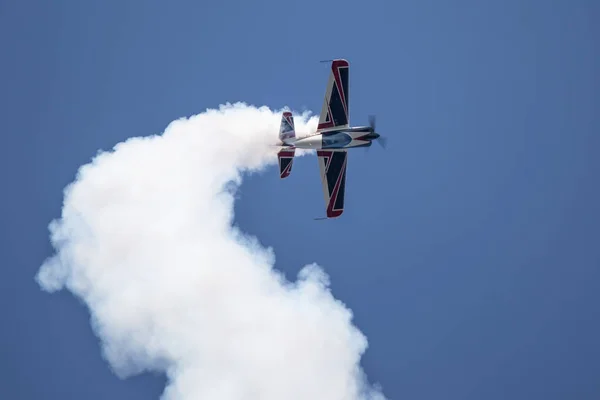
column 145, row 240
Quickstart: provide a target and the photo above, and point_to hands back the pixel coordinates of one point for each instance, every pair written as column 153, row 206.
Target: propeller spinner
column 381, row 140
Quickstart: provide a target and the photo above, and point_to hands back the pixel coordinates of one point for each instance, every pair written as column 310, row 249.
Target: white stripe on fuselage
column 315, row 142
column 310, row 142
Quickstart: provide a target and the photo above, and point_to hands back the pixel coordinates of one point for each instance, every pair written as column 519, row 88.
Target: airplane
column 333, row 137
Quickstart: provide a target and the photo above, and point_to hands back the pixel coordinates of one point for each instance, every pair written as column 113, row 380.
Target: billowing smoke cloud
column 145, row 239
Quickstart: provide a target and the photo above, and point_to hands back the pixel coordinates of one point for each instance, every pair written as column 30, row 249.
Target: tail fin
column 287, row 129
column 286, row 160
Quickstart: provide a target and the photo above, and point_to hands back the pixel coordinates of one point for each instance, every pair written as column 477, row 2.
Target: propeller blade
column 372, row 122
column 382, row 141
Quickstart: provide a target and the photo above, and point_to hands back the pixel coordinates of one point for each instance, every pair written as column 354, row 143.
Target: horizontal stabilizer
column 287, row 129
column 286, row 160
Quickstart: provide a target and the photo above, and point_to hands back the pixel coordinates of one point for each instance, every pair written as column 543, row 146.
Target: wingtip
column 335, row 214
column 335, row 60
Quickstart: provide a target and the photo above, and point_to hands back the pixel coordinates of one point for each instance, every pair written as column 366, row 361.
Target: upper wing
column 334, row 113
column 332, row 165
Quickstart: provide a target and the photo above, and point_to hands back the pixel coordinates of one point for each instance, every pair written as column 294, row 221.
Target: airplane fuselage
column 343, row 138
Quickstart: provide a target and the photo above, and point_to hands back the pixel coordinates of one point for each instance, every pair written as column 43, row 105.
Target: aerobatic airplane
column 333, row 137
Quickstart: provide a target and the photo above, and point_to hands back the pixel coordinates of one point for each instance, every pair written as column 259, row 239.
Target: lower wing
column 332, row 166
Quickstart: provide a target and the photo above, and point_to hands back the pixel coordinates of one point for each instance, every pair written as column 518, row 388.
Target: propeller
column 381, row 139
column 372, row 122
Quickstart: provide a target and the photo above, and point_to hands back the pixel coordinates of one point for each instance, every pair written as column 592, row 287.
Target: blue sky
column 468, row 248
